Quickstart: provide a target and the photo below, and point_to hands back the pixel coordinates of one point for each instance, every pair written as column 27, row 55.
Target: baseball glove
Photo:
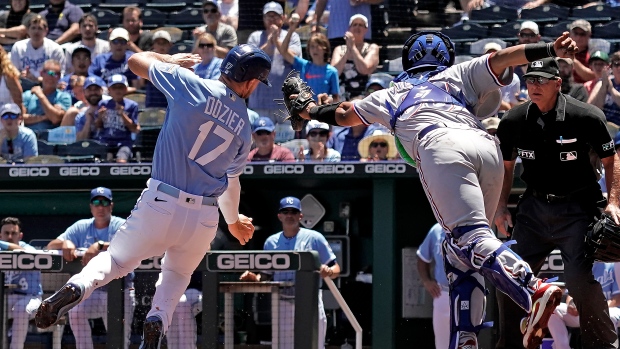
column 294, row 85
column 603, row 240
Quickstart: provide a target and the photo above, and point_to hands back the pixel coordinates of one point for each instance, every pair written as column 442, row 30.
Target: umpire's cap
column 247, row 62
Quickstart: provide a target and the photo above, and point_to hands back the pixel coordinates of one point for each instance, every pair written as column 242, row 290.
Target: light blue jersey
column 27, row 282
column 83, row 232
column 430, row 250
column 206, row 134
column 604, row 274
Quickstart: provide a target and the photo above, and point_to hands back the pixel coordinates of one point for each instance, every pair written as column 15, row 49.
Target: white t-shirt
column 24, row 55
column 101, row 46
column 229, row 9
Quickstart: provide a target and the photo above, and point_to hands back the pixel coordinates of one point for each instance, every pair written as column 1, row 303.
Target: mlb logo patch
column 537, row 64
column 568, row 156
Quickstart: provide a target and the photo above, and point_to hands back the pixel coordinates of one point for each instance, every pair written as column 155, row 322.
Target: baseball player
column 566, row 314
column 25, row 297
column 200, row 153
column 437, row 285
column 434, row 109
column 293, row 237
column 94, row 235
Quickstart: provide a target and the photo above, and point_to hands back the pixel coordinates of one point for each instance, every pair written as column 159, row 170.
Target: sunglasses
column 290, row 211
column 527, row 35
column 11, row 116
column 615, row 64
column 53, row 73
column 318, row 133
column 262, row 133
column 206, row 10
column 119, row 42
column 203, row 45
column 378, row 144
column 101, row 202
column 537, row 80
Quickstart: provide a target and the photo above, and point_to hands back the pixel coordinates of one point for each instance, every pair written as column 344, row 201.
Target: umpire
column 554, row 135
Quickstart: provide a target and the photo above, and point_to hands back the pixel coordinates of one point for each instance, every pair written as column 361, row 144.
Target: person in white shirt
column 88, row 31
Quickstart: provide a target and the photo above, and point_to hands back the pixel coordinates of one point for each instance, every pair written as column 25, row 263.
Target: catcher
column 434, row 109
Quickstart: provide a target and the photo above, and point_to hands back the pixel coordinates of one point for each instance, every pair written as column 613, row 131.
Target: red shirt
column 278, row 153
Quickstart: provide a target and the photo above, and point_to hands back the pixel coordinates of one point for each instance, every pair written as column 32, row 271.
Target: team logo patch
column 568, row 155
column 526, row 154
column 537, row 64
column 464, row 305
column 608, row 146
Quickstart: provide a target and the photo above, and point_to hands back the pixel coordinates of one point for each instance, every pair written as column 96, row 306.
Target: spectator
column 18, row 143
column 569, row 87
column 581, row 31
column 264, row 136
column 117, row 119
column 81, row 61
column 599, row 64
column 224, row 34
column 345, row 140
column 115, row 62
column 429, row 254
column 94, row 235
column 355, row 60
column 78, row 98
column 162, row 43
column 605, row 93
column 317, row 73
column 86, row 116
column 528, row 34
column 317, row 134
column 340, row 12
column 566, row 314
column 378, row 146
column 29, row 55
column 88, row 31
column 262, row 100
column 138, row 39
column 62, row 18
column 377, row 81
column 25, row 293
column 230, row 12
column 46, row 105
column 511, row 91
column 293, row 237
column 209, row 68
column 14, row 22
column 491, row 124
column 10, row 88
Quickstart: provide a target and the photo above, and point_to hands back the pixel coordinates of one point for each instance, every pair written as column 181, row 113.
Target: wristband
column 4, row 245
column 534, row 52
column 324, row 113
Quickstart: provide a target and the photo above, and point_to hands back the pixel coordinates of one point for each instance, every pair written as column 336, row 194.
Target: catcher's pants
column 286, row 329
column 182, row 331
column 21, row 308
column 441, row 319
column 96, row 306
column 540, row 227
column 182, row 228
column 561, row 319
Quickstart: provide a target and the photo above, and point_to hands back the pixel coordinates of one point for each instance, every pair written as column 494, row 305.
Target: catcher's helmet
column 246, row 62
column 429, row 50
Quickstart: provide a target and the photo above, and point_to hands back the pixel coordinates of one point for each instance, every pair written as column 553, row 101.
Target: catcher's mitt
column 603, row 240
column 294, row 85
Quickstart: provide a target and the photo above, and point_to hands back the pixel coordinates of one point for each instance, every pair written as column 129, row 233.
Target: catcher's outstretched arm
column 338, row 114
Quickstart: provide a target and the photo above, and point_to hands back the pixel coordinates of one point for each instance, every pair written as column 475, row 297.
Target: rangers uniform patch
column 608, row 146
column 526, row 154
column 568, row 155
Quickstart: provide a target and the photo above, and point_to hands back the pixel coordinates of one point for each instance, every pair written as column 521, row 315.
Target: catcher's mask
column 247, row 62
column 427, row 50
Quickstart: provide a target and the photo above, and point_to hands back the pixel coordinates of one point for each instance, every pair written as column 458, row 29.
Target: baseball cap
column 118, row 79
column 119, row 33
column 547, row 68
column 358, row 16
column 290, row 202
column 101, row 191
column 162, row 34
column 531, row 26
column 209, row 2
column 581, row 24
column 94, row 80
column 600, row 55
column 10, row 108
column 491, row 46
column 80, row 48
column 264, row 123
column 491, row 123
column 273, row 7
column 314, row 124
column 381, row 79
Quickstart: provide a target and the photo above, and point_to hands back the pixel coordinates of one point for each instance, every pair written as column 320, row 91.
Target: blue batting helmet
column 246, row 62
column 429, row 50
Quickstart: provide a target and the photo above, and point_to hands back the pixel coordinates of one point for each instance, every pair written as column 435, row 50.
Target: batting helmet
column 246, row 62
column 427, row 50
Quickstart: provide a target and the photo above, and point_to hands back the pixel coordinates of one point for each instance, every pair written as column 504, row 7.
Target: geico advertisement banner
column 253, row 261
column 30, row 261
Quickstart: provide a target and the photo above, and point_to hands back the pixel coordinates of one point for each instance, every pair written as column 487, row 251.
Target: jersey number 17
column 205, row 130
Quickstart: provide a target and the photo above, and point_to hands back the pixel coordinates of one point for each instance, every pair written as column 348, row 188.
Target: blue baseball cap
column 118, row 79
column 81, row 48
column 101, row 191
column 264, row 123
column 290, row 202
column 94, row 80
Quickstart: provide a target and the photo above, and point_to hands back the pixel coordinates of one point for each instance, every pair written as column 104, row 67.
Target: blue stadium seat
column 37, row 5
column 607, row 31
column 119, row 5
column 106, row 18
column 507, row 32
column 187, row 19
column 466, row 32
column 83, row 151
column 181, row 47
column 493, row 15
column 152, row 18
column 593, row 14
column 548, row 13
column 555, row 30
column 45, row 148
column 166, row 5
column 86, row 4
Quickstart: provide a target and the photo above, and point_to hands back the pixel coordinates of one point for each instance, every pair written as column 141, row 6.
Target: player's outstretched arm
column 338, row 114
column 563, row 46
column 240, row 226
column 139, row 63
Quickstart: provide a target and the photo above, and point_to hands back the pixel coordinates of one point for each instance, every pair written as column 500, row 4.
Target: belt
column 174, row 192
column 428, row 129
column 550, row 198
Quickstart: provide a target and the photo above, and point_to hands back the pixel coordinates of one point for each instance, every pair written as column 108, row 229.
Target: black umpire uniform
column 561, row 199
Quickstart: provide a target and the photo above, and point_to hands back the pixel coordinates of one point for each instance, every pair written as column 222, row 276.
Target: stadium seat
column 138, row 98
column 86, row 4
column 493, row 15
column 548, row 13
column 106, row 18
column 607, row 31
column 151, row 117
column 467, row 32
column 181, row 47
column 83, row 151
column 45, row 148
column 119, row 5
column 37, row 5
column 187, row 19
column 166, row 5
column 507, row 32
column 597, row 44
column 555, row 30
column 593, row 14
column 152, row 18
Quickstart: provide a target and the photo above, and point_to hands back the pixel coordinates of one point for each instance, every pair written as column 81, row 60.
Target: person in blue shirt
column 17, row 143
column 209, row 68
column 94, row 234
column 295, row 238
column 200, row 154
column 25, row 295
column 115, row 62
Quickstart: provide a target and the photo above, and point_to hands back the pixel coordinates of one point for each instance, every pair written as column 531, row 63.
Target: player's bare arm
column 139, row 63
column 503, row 219
column 67, row 247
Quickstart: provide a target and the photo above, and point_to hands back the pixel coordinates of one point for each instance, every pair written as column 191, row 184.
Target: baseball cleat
column 534, row 326
column 467, row 340
column 153, row 334
column 58, row 304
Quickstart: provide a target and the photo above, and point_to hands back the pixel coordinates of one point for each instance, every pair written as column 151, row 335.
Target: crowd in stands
column 67, row 72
